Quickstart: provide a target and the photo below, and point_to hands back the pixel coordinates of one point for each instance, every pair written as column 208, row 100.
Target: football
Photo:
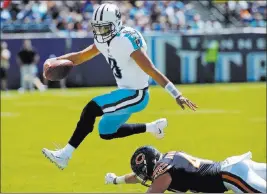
column 58, row 69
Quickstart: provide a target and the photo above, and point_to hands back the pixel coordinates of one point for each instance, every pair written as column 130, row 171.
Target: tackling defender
column 180, row 172
column 125, row 50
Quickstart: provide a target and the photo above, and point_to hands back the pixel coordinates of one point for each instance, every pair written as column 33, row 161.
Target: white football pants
column 242, row 175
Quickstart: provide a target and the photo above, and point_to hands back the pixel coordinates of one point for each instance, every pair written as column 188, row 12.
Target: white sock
column 68, row 150
column 150, row 127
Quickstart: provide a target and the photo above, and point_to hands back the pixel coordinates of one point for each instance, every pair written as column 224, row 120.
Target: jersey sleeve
column 160, row 169
column 131, row 42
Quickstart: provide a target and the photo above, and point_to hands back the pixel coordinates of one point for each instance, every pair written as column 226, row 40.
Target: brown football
column 58, row 69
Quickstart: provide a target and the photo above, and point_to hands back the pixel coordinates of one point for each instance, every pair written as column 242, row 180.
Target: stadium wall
column 239, row 57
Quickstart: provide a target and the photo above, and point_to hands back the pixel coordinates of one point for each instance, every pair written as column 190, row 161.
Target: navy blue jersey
column 190, row 173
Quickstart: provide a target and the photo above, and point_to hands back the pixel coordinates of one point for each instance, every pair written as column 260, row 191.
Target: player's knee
column 92, row 109
column 88, row 116
column 105, row 130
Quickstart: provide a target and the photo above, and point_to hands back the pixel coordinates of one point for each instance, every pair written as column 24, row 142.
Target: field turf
column 231, row 120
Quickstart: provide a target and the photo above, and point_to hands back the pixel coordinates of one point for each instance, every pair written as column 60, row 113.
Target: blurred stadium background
column 215, row 50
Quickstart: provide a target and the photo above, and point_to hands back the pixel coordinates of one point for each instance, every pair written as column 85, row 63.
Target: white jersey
column 117, row 53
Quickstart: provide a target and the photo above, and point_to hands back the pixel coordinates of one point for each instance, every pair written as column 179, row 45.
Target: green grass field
column 231, row 120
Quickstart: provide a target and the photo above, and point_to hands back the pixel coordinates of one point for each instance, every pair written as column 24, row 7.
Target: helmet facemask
column 143, row 163
column 106, row 22
column 103, row 31
column 144, row 176
column 142, row 171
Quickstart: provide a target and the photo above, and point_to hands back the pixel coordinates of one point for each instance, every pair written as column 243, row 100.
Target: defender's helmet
column 143, row 162
column 106, row 22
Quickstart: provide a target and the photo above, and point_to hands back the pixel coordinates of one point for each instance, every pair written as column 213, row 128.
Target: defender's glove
column 110, row 178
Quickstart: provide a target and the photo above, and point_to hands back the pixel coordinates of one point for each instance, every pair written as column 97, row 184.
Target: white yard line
column 240, row 87
column 189, row 112
column 258, row 120
column 229, row 89
column 9, row 114
column 7, row 96
column 38, row 104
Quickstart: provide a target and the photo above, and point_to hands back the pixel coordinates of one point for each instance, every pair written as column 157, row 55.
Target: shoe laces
column 58, row 146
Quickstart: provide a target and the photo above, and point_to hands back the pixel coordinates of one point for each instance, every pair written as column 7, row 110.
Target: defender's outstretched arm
column 130, row 178
column 159, row 185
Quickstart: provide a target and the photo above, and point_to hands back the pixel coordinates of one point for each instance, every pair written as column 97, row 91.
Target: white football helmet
column 106, row 22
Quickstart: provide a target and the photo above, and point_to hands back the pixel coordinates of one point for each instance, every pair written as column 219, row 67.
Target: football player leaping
column 125, row 50
column 180, row 172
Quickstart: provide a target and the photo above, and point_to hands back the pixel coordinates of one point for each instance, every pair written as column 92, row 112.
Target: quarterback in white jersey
column 125, row 50
column 118, row 54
